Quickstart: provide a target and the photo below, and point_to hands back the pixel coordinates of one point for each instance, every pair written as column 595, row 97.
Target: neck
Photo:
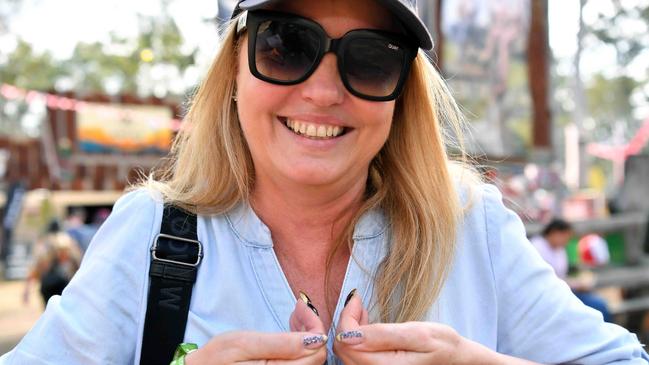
column 306, row 218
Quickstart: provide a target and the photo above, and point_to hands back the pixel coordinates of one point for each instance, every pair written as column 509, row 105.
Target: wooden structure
column 56, row 162
column 539, row 56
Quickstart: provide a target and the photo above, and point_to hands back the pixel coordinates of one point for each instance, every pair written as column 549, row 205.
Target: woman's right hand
column 304, row 345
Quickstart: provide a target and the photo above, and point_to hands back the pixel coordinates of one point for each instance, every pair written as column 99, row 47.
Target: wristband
column 183, row 350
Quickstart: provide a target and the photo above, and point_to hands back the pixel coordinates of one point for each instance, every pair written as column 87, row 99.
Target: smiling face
column 315, row 133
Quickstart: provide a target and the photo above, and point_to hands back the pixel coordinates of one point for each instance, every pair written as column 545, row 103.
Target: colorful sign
column 110, row 128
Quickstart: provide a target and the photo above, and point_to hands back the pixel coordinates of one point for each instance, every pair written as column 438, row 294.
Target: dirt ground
column 16, row 317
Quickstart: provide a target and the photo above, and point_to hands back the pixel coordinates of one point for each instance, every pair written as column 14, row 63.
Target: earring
column 235, row 98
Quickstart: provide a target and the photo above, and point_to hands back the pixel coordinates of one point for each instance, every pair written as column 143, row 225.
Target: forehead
column 338, row 17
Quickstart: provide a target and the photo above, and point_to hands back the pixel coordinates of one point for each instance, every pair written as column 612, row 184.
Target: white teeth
column 313, row 130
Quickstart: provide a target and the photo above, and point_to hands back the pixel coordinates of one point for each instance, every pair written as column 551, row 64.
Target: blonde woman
column 334, row 225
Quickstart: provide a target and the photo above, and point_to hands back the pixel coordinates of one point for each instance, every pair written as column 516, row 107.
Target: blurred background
column 555, row 92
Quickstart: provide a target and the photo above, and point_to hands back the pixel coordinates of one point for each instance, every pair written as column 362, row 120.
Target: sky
column 57, row 25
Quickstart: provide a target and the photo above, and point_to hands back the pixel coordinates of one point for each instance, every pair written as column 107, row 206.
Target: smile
column 313, row 130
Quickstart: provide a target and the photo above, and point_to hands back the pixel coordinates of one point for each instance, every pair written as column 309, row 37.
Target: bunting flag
column 621, row 152
column 53, row 101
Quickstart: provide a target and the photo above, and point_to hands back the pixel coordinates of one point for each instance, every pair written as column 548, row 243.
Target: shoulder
column 135, row 218
column 141, row 198
column 489, row 226
column 482, row 206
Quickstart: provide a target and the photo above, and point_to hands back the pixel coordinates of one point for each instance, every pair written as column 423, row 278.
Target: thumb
column 351, row 318
column 304, row 319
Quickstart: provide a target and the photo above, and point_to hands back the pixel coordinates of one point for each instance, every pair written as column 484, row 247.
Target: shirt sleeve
column 539, row 318
column 98, row 317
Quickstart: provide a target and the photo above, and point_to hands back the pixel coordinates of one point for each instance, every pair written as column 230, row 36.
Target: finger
column 242, row 346
column 351, row 315
column 365, row 318
column 350, row 355
column 409, row 336
column 318, row 358
column 303, row 319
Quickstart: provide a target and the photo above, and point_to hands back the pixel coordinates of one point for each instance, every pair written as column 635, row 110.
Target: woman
column 321, row 175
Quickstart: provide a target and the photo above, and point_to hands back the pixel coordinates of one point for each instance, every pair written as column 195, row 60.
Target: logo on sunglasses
column 393, row 47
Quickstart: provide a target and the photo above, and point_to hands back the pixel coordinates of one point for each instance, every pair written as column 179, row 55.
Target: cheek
column 256, row 99
column 378, row 117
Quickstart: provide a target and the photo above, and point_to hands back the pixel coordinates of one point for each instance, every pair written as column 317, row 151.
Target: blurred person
column 81, row 231
column 551, row 244
column 55, row 261
column 75, row 225
column 313, row 160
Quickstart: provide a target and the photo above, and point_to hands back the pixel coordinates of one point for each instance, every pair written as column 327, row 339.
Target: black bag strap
column 176, row 254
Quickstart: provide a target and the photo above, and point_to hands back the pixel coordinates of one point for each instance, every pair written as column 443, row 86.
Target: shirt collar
column 252, row 231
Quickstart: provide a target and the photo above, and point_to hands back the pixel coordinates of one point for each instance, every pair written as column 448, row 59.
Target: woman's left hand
column 359, row 343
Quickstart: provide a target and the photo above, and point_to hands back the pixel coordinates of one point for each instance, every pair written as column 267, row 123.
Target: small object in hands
column 305, row 298
column 183, row 350
column 348, row 335
column 350, row 296
column 315, row 341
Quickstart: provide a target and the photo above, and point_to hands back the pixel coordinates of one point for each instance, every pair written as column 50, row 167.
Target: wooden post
column 439, row 36
column 537, row 68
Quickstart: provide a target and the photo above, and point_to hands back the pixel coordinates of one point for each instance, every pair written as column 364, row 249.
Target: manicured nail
column 349, row 296
column 305, row 298
column 353, row 337
column 315, row 341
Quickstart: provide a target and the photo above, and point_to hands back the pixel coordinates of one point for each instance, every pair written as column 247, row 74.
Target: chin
column 313, row 177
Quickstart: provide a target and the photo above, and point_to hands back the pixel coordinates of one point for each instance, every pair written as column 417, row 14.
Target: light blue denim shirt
column 499, row 292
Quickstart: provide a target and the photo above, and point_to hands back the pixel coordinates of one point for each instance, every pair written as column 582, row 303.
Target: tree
column 28, row 69
column 626, row 30
column 117, row 66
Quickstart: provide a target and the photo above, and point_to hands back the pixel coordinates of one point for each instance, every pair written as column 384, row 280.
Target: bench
column 628, row 310
column 632, row 305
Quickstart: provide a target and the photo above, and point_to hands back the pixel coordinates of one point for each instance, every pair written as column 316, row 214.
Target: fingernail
column 315, row 341
column 305, row 298
column 350, row 337
column 349, row 296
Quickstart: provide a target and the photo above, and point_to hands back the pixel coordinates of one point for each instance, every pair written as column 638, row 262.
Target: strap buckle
column 176, row 238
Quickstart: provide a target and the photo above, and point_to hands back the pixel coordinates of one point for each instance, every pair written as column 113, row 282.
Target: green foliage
column 626, row 30
column 92, row 67
column 608, row 98
column 28, row 69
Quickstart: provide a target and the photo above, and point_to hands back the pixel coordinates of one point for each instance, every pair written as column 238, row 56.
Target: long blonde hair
column 411, row 178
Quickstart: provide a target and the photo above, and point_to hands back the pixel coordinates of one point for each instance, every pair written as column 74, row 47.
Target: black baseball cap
column 404, row 10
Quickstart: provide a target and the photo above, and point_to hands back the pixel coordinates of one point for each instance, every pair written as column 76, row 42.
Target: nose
column 324, row 87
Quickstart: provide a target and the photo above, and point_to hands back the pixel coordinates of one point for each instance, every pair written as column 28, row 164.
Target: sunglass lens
column 285, row 51
column 373, row 66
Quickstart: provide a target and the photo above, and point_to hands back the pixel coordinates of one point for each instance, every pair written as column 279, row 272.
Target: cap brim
column 405, row 14
column 411, row 21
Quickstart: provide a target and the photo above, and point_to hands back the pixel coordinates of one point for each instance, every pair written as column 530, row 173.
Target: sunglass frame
column 254, row 18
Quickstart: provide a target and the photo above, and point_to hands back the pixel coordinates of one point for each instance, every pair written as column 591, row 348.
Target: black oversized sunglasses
column 285, row 49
